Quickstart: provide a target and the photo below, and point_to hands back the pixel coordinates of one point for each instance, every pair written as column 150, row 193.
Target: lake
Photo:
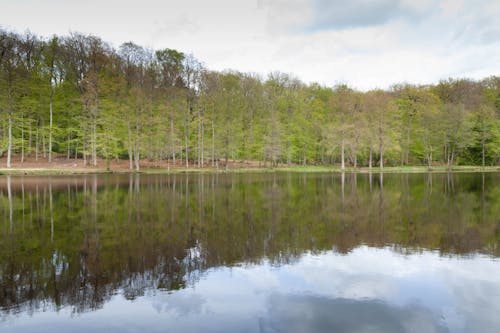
column 252, row 252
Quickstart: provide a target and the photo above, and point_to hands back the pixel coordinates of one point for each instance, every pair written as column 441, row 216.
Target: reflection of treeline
column 80, row 244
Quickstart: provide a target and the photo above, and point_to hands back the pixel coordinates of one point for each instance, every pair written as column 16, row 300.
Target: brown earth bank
column 78, row 165
column 62, row 165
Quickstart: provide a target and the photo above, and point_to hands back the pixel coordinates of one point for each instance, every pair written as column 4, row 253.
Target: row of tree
column 78, row 97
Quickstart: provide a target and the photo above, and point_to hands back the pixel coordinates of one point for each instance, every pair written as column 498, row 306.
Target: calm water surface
column 282, row 252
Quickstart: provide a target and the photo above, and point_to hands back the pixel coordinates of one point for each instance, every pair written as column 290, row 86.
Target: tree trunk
column 202, row 143
column 381, row 149
column 68, row 146
column 36, row 143
column 226, row 153
column 304, row 160
column 84, row 151
column 407, row 150
column 172, row 141
column 130, row 148
column 159, row 151
column 213, row 144
column 137, row 157
column 342, row 155
column 29, row 138
column 430, row 157
column 370, row 160
column 483, row 144
column 9, row 146
column 107, row 152
column 199, row 138
column 445, row 148
column 289, row 154
column 94, row 140
column 22, row 140
column 381, row 141
column 451, row 157
column 44, row 146
column 186, row 133
column 187, row 151
column 50, row 126
column 137, row 147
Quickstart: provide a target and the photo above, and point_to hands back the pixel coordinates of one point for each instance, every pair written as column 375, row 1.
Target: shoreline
column 16, row 171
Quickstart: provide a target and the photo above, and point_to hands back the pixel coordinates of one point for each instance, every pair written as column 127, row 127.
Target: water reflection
column 286, row 314
column 366, row 290
column 91, row 243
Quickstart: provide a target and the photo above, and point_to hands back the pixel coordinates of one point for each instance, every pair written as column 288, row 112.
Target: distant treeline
column 79, row 97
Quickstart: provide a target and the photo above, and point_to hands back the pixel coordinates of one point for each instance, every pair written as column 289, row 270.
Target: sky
column 366, row 44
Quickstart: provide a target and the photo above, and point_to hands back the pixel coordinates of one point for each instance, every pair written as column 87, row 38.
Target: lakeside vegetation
column 295, row 168
column 78, row 97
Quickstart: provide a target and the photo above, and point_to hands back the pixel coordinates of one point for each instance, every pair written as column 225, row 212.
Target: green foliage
column 160, row 105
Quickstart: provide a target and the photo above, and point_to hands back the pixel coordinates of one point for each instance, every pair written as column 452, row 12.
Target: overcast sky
column 364, row 43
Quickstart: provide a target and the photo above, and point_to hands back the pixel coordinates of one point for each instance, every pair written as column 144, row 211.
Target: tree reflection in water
column 76, row 241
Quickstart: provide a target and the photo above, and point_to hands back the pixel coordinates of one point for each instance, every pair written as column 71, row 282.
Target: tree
column 134, row 59
column 9, row 61
column 408, row 102
column 50, row 58
column 380, row 110
column 344, row 107
column 171, row 69
column 191, row 79
column 429, row 127
column 79, row 96
column 273, row 134
column 460, row 98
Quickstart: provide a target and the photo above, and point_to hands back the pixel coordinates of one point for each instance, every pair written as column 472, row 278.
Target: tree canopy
column 76, row 96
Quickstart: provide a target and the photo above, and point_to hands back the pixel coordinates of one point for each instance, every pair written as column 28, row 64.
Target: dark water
column 250, row 253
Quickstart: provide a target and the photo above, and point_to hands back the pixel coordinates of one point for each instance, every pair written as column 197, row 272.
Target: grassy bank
column 307, row 169
column 400, row 169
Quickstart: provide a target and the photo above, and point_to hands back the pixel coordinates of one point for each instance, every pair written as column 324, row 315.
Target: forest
column 77, row 97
